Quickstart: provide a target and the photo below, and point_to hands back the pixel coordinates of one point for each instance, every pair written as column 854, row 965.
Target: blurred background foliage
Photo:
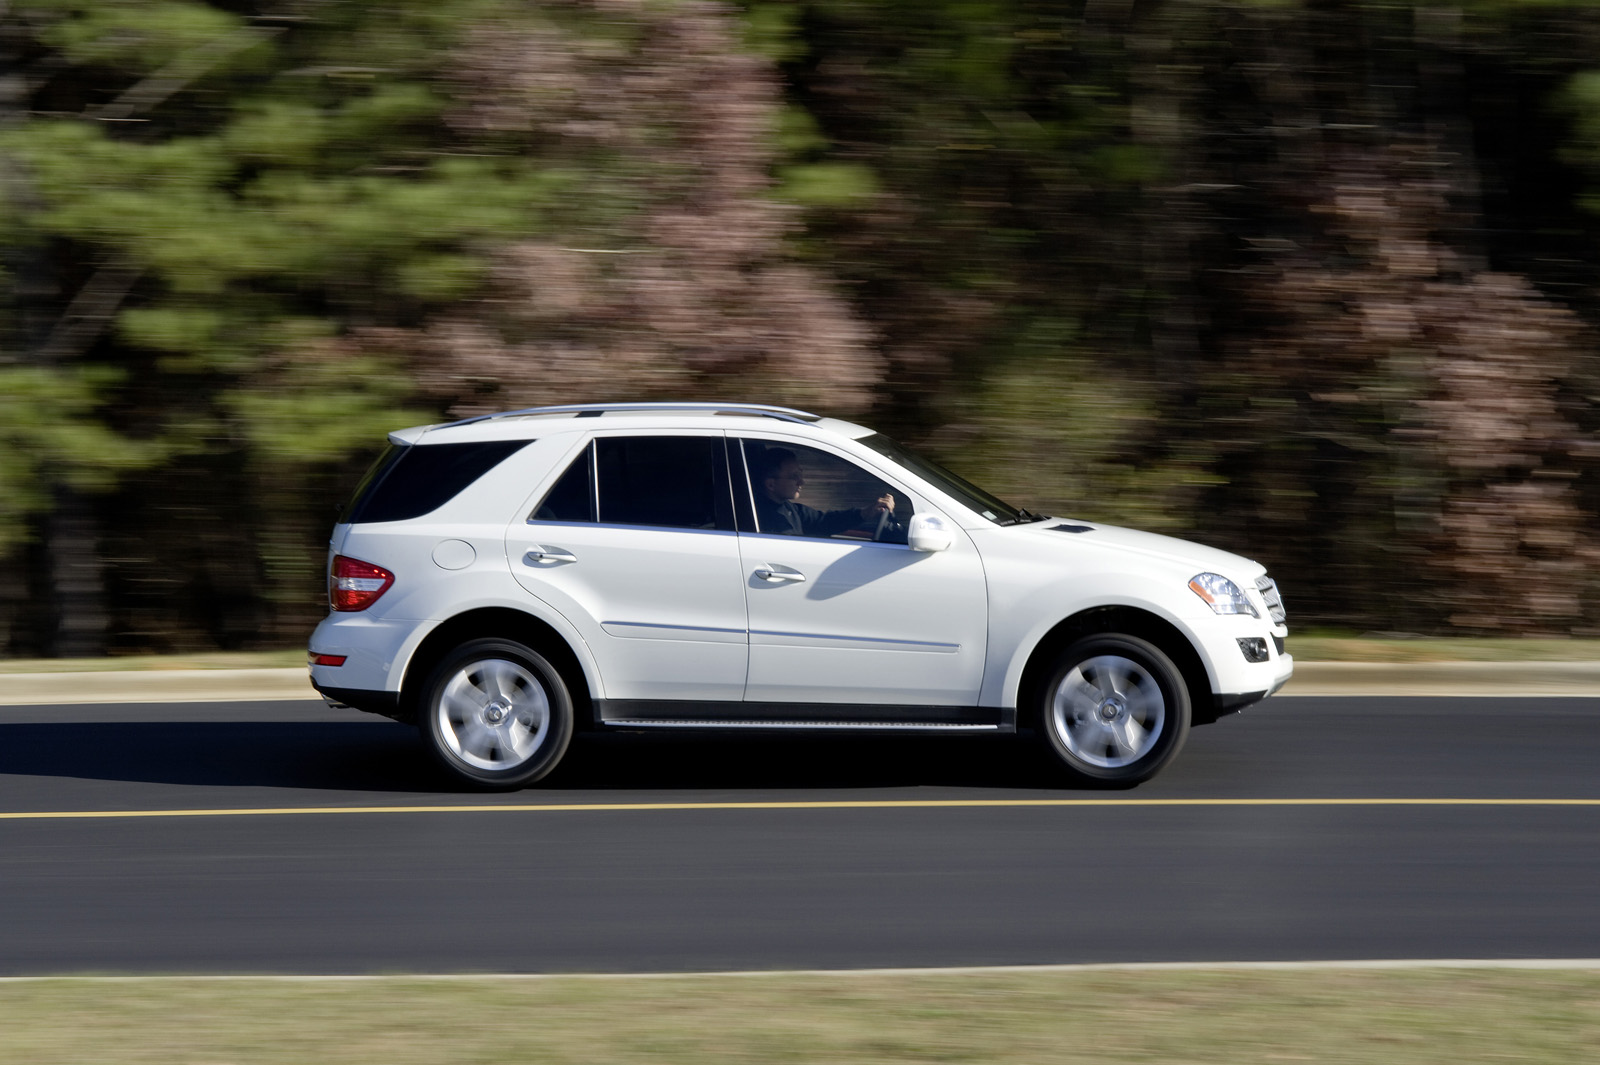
column 1313, row 280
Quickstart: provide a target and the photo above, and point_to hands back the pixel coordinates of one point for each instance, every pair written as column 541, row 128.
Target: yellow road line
column 842, row 804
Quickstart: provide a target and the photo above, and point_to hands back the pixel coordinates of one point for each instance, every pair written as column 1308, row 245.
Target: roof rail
column 592, row 409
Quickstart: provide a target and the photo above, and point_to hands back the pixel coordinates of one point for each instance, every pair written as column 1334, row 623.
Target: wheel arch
column 1128, row 621
column 503, row 623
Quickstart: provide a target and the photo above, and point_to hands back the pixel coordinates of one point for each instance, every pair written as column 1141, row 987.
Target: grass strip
column 1385, row 1017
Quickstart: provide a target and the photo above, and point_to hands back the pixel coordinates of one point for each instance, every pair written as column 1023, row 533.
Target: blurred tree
column 1403, row 427
column 1003, row 242
column 670, row 275
column 201, row 197
column 1281, row 276
column 1003, row 187
column 1131, row 206
column 297, row 225
column 53, row 449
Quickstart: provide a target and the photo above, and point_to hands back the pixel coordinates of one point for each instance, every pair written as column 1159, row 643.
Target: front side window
column 959, row 488
column 796, row 490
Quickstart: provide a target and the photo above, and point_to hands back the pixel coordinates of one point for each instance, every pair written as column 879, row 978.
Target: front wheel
column 497, row 714
column 1115, row 710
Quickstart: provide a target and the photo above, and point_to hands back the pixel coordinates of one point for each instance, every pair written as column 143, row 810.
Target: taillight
column 356, row 585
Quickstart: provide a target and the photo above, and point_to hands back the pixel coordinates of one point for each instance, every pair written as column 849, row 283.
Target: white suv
column 505, row 580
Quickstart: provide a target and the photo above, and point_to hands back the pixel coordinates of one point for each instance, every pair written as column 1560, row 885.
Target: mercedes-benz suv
column 504, row 581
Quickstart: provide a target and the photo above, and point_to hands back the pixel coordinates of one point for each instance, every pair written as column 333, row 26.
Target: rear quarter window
column 408, row 481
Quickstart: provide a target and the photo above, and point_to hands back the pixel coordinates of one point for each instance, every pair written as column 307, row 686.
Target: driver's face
column 785, row 485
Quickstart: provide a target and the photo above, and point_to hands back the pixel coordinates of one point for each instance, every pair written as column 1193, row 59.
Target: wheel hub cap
column 493, row 714
column 1108, row 711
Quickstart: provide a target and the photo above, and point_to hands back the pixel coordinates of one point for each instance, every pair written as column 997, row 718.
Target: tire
column 1115, row 710
column 496, row 714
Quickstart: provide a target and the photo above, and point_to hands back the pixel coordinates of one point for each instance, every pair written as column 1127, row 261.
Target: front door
column 837, row 617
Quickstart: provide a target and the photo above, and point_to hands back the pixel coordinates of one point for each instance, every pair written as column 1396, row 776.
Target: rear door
column 635, row 545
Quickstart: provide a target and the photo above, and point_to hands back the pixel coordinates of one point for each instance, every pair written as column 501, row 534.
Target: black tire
column 496, row 714
column 1114, row 710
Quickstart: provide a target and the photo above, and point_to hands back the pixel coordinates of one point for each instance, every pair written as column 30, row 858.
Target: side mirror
column 928, row 532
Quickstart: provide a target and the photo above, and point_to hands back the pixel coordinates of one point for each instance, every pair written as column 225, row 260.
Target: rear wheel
column 497, row 714
column 1115, row 710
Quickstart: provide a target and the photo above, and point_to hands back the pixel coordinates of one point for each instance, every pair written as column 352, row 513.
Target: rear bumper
column 373, row 702
column 375, row 652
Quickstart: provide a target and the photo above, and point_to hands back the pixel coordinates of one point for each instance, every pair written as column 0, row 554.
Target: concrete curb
column 1450, row 679
column 157, row 686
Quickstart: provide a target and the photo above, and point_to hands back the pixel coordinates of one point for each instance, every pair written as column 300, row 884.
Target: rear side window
column 678, row 482
column 409, row 481
column 375, row 473
column 572, row 498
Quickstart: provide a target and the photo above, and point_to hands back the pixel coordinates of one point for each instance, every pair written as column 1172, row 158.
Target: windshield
column 969, row 494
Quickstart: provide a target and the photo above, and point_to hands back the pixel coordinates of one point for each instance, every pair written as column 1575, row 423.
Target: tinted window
column 375, row 473
column 675, row 481
column 572, row 498
column 409, row 482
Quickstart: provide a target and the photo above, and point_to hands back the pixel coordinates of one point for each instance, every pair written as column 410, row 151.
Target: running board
column 857, row 726
column 737, row 714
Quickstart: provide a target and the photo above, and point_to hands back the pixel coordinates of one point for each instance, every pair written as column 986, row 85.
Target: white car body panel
column 664, row 622
column 871, row 623
column 380, row 641
column 1039, row 576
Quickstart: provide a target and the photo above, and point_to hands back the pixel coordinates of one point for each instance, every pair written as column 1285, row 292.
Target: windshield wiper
column 1024, row 517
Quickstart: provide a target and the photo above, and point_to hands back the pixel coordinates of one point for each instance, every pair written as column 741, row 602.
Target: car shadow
column 801, row 761
column 376, row 756
column 382, row 756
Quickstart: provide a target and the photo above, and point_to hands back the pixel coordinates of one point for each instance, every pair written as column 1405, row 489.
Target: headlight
column 1221, row 594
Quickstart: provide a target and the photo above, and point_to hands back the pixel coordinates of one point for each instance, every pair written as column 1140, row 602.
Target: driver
column 778, row 487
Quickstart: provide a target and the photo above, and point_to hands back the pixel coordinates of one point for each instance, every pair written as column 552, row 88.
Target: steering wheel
column 883, row 522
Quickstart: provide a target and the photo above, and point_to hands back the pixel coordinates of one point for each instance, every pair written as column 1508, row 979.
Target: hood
column 1181, row 554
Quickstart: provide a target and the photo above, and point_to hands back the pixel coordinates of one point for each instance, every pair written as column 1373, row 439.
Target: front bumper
column 1232, row 702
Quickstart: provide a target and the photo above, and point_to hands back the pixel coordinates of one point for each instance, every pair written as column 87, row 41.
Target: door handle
column 537, row 554
column 779, row 574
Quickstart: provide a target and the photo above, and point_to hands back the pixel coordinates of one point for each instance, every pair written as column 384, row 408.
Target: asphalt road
column 415, row 877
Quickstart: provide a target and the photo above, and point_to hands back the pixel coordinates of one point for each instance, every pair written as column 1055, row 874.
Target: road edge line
column 1353, row 965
